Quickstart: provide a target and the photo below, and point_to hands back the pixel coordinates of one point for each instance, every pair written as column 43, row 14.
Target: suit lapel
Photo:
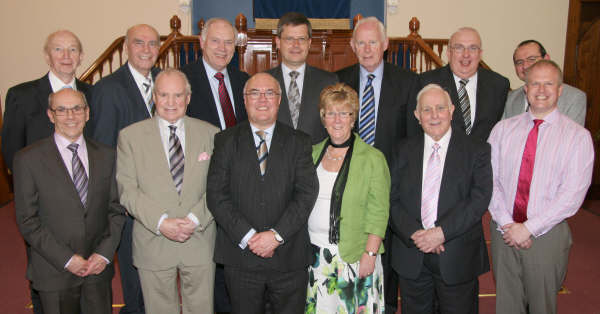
column 192, row 150
column 57, row 168
column 284, row 108
column 451, row 170
column 206, row 90
column 238, row 97
column 458, row 122
column 247, row 151
column 415, row 171
column 44, row 90
column 95, row 170
column 133, row 91
column 385, row 96
column 481, row 95
column 307, row 89
column 276, row 152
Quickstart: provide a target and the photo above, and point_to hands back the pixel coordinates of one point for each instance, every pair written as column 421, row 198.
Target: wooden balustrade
column 256, row 50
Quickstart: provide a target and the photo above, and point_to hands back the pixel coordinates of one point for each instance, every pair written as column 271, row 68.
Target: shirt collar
column 268, row 131
column 62, row 142
column 210, row 71
column 286, row 71
column 57, row 84
column 138, row 77
column 164, row 124
column 549, row 118
column 444, row 142
column 472, row 79
column 378, row 71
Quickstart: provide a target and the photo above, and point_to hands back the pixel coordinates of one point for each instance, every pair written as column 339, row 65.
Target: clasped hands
column 81, row 267
column 429, row 240
column 517, row 235
column 177, row 229
column 263, row 243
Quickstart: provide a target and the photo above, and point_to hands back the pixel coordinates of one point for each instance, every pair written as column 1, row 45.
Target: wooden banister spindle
column 241, row 25
column 200, row 26
column 355, row 20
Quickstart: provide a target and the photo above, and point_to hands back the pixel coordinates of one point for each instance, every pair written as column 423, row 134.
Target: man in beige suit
column 162, row 165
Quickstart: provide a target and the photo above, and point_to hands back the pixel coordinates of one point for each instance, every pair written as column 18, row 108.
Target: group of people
column 297, row 189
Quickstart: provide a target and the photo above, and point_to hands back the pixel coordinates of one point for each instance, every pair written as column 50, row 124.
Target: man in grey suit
column 68, row 211
column 572, row 101
column 302, row 84
column 162, row 164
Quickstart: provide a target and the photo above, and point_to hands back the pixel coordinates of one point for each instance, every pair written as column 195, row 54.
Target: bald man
column 479, row 94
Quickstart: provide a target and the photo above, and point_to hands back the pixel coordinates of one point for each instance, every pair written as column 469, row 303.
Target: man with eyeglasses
column 118, row 100
column 479, row 94
column 261, row 188
column 572, row 102
column 302, row 83
column 441, row 188
column 25, row 119
column 67, row 209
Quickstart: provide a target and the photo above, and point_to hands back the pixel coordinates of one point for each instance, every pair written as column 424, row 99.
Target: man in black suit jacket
column 486, row 90
column 118, row 100
column 395, row 91
column 300, row 95
column 438, row 244
column 262, row 209
column 72, row 232
column 218, row 46
column 25, row 118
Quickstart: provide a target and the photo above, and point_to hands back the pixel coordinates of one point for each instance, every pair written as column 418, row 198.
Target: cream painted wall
column 26, row 23
column 501, row 23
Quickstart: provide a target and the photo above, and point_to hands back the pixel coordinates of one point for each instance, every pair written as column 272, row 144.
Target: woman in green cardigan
column 349, row 220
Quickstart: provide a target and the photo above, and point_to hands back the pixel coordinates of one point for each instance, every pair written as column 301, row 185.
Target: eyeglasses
column 255, row 94
column 62, row 111
column 290, row 40
column 528, row 60
column 342, row 114
column 460, row 48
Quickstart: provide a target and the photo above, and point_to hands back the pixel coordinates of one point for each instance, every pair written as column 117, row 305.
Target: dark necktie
column 176, row 159
column 525, row 174
column 294, row 98
column 465, row 106
column 366, row 123
column 80, row 179
column 226, row 106
column 262, row 152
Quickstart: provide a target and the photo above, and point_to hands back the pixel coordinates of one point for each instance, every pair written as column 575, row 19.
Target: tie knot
column 219, row 76
column 261, row 134
column 464, row 82
column 173, row 129
column 370, row 78
column 537, row 122
column 436, row 147
column 73, row 147
column 294, row 74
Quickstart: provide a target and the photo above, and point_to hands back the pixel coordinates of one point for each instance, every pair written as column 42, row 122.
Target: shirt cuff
column 104, row 258
column 244, row 243
column 193, row 218
column 160, row 220
column 69, row 262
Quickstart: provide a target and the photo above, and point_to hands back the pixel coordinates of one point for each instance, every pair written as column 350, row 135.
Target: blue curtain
column 274, row 9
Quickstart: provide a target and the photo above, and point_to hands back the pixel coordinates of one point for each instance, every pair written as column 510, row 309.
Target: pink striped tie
column 431, row 188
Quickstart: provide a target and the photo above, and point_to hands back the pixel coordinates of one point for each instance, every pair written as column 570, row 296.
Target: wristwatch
column 371, row 253
column 277, row 236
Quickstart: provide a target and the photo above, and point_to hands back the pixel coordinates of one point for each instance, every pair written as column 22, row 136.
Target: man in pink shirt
column 542, row 163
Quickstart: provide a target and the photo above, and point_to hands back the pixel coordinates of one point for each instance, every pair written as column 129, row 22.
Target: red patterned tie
column 522, row 198
column 225, row 101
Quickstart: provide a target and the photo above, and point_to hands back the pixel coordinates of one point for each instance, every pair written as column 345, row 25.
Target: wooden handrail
column 257, row 51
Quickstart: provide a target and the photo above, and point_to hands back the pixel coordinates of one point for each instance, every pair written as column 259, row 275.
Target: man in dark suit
column 118, row 100
column 388, row 98
column 217, row 86
column 261, row 189
column 438, row 244
column 67, row 210
column 302, row 84
column 479, row 94
column 25, row 118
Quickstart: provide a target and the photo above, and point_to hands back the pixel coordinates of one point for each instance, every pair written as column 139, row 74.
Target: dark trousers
column 221, row 299
column 36, row 302
column 89, row 298
column 419, row 295
column 249, row 290
column 390, row 277
column 130, row 280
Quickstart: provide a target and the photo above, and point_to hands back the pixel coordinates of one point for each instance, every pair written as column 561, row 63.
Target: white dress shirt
column 57, row 84
column 287, row 79
column 471, row 88
column 214, row 87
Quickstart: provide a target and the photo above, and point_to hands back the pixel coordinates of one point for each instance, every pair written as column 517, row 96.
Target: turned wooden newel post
column 175, row 24
column 200, row 26
column 355, row 20
column 241, row 24
column 414, row 26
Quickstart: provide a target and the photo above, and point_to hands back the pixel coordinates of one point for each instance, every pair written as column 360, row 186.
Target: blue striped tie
column 366, row 124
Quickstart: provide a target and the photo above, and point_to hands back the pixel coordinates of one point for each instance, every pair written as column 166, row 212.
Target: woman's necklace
column 329, row 156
